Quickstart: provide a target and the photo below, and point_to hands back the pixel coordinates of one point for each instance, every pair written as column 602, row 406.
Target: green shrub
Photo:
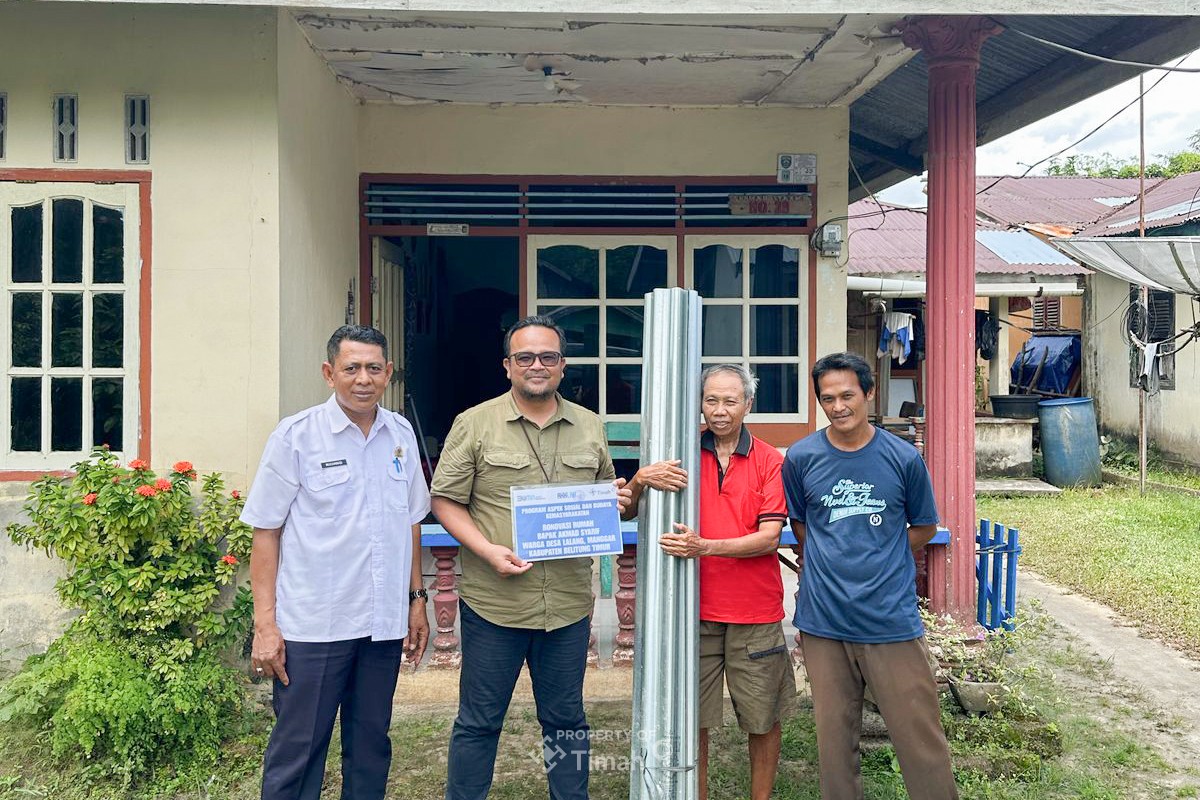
column 136, row 682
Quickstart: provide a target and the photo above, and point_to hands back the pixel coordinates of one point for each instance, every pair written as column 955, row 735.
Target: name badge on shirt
column 341, row 462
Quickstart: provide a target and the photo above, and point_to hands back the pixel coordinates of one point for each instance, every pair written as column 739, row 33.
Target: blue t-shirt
column 858, row 582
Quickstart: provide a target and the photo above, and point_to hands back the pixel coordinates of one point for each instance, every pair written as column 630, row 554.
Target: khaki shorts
column 757, row 666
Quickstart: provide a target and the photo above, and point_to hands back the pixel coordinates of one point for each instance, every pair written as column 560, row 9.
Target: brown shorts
column 758, row 669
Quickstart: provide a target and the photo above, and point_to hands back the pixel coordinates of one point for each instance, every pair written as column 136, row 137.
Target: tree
column 1106, row 165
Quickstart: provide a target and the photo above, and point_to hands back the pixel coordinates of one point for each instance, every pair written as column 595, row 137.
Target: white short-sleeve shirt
column 346, row 505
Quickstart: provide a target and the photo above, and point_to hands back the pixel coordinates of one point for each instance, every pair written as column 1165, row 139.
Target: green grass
column 1139, row 555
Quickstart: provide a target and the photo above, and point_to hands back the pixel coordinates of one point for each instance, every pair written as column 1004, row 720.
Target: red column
column 951, row 47
column 626, row 599
column 446, row 654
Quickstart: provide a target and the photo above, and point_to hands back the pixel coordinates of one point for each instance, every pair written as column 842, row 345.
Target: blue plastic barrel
column 1070, row 443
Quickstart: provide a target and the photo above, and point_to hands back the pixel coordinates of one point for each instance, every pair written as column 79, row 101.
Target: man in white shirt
column 336, row 575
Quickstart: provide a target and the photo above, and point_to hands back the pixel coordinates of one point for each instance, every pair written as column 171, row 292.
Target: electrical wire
column 1093, row 56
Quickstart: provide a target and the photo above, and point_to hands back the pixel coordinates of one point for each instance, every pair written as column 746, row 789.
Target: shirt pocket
column 751, row 508
column 504, row 468
column 578, row 467
column 396, row 490
column 330, row 490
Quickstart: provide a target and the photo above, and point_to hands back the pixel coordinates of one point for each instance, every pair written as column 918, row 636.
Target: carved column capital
column 946, row 39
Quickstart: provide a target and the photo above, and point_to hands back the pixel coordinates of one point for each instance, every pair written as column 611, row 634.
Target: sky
column 1172, row 115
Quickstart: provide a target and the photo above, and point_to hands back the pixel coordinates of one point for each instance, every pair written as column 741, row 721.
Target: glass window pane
column 68, row 241
column 777, row 388
column 107, row 419
column 582, row 326
column 568, row 272
column 581, row 384
column 774, row 271
column 625, row 326
column 722, row 330
column 634, row 270
column 26, row 425
column 773, row 330
column 624, row 389
column 717, row 270
column 108, row 330
column 66, row 330
column 66, row 414
column 27, row 329
column 27, row 244
column 108, row 245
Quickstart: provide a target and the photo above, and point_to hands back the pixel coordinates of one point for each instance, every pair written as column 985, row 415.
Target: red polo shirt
column 733, row 503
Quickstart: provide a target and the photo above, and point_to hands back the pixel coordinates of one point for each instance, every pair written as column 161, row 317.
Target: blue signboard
column 565, row 521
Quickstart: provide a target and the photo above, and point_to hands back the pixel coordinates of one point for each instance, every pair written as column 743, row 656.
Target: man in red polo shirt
column 742, row 510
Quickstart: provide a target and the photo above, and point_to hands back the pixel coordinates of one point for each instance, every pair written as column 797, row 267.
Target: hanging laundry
column 987, row 334
column 896, row 335
column 1153, row 367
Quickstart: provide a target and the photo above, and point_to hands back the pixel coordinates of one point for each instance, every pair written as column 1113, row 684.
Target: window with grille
column 66, row 127
column 593, row 288
column 1156, row 325
column 70, row 261
column 755, row 314
column 1047, row 313
column 137, row 129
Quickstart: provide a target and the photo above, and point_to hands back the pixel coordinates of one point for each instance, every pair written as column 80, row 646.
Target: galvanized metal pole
column 665, row 735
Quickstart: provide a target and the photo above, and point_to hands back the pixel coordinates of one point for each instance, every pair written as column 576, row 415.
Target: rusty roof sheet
column 1172, row 201
column 885, row 239
column 1065, row 202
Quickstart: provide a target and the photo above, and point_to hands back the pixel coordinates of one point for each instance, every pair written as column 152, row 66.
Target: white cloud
column 1172, row 115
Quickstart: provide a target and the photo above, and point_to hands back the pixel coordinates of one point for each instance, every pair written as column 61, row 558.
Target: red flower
column 163, row 485
column 146, row 490
column 89, row 498
column 229, row 559
column 139, row 464
column 183, row 467
column 235, row 494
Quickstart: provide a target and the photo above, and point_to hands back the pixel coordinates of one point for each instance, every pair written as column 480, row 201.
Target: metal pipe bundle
column 665, row 735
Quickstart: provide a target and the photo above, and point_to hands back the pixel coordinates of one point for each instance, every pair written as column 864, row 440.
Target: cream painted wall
column 1172, row 416
column 623, row 141
column 318, row 213
column 211, row 75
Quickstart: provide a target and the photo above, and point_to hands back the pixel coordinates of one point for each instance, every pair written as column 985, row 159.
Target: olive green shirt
column 485, row 454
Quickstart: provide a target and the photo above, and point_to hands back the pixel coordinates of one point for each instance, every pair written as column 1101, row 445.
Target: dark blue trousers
column 492, row 657
column 357, row 676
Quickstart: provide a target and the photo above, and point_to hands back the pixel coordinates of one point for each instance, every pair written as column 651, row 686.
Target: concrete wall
column 1172, row 415
column 623, row 141
column 211, row 75
column 318, row 213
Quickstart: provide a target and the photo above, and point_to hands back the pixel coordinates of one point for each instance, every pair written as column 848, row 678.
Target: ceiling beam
column 901, row 159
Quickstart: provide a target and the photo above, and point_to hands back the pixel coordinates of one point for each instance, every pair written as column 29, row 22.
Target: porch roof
column 639, row 55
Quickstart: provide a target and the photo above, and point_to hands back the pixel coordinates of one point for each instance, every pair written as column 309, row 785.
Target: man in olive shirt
column 514, row 611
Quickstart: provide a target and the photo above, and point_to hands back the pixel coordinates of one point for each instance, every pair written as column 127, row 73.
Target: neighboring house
column 193, row 195
column 886, row 269
column 1172, row 208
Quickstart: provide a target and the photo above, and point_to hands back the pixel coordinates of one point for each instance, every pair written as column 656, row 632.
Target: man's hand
column 624, row 495
column 267, row 655
column 666, row 476
column 684, row 543
column 505, row 561
column 418, row 632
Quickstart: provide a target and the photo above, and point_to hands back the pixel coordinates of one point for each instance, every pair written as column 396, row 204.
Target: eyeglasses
column 548, row 359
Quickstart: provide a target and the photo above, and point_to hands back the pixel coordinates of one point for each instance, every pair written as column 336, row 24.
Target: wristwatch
column 421, row 593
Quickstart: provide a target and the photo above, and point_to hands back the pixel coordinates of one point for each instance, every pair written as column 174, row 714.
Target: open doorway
column 459, row 297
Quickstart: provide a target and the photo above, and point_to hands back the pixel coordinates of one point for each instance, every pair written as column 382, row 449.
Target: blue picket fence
column 996, row 575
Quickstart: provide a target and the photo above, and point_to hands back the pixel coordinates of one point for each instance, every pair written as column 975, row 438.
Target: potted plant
column 976, row 668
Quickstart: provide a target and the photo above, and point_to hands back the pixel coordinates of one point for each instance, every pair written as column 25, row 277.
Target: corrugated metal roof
column 1019, row 247
column 1172, row 201
column 889, row 240
column 1068, row 202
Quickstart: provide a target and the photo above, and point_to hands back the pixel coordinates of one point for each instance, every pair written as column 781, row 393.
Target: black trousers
column 358, row 677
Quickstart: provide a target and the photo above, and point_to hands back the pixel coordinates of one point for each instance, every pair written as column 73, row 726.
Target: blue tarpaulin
column 1059, row 356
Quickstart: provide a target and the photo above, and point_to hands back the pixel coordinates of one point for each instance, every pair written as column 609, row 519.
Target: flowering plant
column 144, row 557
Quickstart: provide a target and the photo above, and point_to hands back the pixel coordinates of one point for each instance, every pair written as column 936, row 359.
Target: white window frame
column 536, row 242
column 123, row 196
column 748, row 242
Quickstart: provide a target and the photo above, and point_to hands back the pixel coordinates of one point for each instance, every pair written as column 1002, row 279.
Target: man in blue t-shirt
column 861, row 504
